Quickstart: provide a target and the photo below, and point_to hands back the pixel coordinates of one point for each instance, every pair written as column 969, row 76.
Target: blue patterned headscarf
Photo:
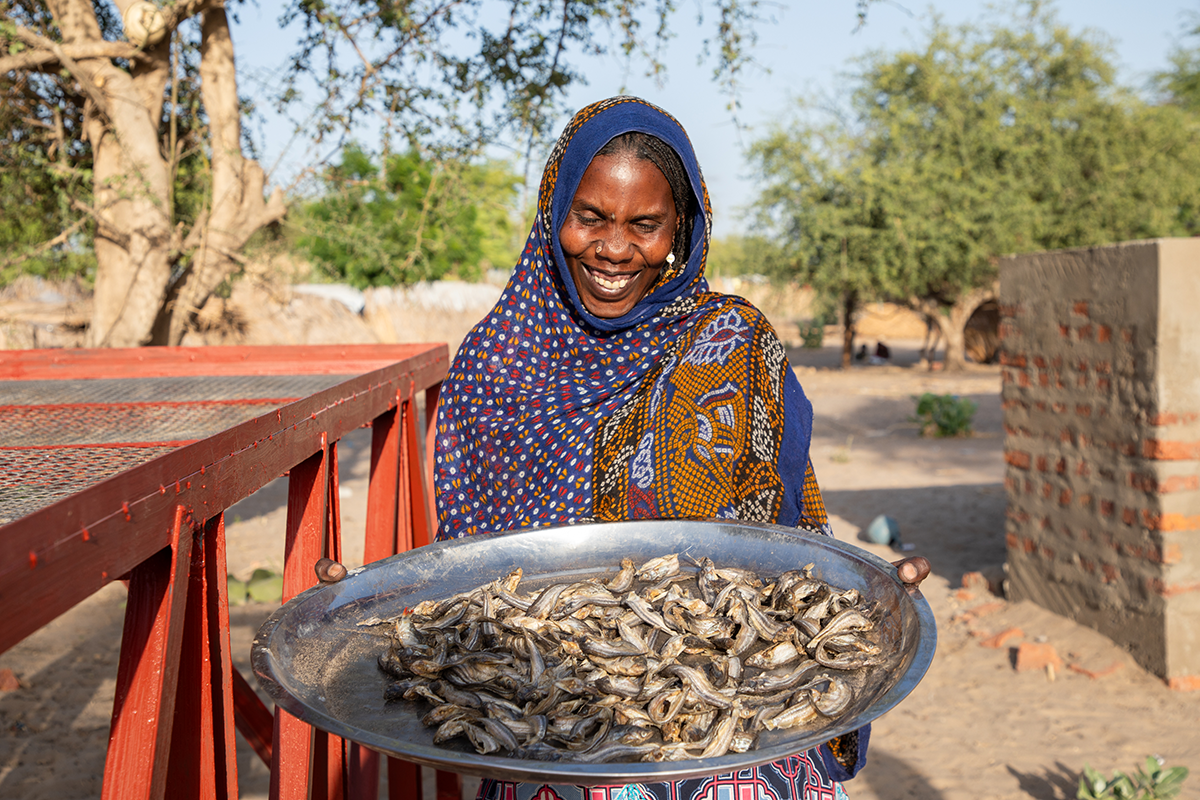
column 682, row 408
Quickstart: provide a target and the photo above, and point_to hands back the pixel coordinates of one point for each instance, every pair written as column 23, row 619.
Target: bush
column 813, row 335
column 1154, row 783
column 944, row 415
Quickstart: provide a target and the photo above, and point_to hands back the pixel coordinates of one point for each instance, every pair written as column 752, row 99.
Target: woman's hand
column 912, row 571
column 329, row 571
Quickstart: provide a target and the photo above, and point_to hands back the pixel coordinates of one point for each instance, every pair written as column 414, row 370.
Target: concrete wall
column 1101, row 393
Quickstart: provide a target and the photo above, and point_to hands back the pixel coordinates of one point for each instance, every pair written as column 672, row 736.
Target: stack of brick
column 1101, row 393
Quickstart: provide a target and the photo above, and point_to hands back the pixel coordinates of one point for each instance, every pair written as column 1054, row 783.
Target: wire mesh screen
column 59, row 437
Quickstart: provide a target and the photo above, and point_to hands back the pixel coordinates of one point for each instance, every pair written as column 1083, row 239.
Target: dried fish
column 655, row 662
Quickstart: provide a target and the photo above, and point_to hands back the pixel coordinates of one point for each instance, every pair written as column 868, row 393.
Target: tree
column 447, row 75
column 1181, row 83
column 409, row 220
column 985, row 141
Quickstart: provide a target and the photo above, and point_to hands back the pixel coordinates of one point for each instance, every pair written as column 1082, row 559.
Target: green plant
column 813, row 335
column 1153, row 783
column 944, row 414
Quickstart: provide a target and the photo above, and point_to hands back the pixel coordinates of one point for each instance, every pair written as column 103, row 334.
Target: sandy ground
column 974, row 728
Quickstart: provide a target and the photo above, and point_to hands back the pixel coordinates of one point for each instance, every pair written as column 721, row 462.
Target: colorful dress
column 684, row 408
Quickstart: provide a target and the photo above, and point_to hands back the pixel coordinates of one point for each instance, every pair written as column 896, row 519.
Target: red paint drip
column 86, row 536
column 32, row 559
column 177, row 489
column 125, row 508
column 201, row 469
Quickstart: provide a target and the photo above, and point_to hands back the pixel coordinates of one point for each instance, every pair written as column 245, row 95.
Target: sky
column 805, row 50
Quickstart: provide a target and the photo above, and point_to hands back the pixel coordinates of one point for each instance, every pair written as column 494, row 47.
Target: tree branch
column 104, row 227
column 89, row 88
column 62, row 238
column 40, row 58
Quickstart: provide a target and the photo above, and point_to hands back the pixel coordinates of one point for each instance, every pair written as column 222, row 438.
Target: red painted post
column 306, row 517
column 420, row 531
column 203, row 749
column 139, row 742
column 252, row 717
column 329, row 752
column 380, row 543
column 431, row 404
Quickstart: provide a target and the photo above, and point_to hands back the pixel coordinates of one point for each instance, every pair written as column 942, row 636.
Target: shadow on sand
column 891, row 778
column 927, row 515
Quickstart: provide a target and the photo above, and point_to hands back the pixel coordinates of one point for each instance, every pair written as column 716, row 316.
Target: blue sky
column 802, row 52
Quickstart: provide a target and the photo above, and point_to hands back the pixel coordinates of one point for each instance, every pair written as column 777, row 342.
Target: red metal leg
column 420, row 533
column 252, row 716
column 384, row 509
column 404, row 780
column 382, row 497
column 203, row 750
column 329, row 752
column 414, row 511
column 138, row 743
column 431, row 404
column 305, row 537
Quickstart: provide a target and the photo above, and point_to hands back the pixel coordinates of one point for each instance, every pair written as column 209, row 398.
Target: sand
column 975, row 727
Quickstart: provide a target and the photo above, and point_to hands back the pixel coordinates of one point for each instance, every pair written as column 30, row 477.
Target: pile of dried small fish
column 655, row 663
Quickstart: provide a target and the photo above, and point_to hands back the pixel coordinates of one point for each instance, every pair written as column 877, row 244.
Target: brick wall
column 1101, row 393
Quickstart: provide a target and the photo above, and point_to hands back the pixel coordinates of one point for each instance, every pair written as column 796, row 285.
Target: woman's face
column 618, row 233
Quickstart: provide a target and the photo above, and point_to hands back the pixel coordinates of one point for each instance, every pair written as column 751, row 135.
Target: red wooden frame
column 161, row 525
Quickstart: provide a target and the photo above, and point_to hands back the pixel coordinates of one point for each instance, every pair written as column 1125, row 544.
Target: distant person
column 881, row 355
column 933, row 337
column 861, row 355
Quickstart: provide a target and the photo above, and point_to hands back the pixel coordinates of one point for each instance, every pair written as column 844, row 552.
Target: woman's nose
column 614, row 245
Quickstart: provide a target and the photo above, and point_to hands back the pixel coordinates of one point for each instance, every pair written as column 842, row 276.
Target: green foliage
column 407, row 219
column 982, row 141
column 813, row 336
column 944, row 414
column 1181, row 83
column 452, row 75
column 46, row 181
column 1152, row 783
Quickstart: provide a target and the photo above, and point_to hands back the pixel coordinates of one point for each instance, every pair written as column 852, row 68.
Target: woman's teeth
column 616, row 283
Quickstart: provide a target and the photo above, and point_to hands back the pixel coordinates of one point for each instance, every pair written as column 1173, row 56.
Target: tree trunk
column 952, row 321
column 130, row 182
column 135, row 248
column 849, row 309
column 237, row 209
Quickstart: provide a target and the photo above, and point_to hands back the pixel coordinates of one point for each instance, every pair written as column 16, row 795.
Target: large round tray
column 317, row 663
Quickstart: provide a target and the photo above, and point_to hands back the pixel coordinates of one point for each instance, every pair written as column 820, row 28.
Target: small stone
column 1035, row 656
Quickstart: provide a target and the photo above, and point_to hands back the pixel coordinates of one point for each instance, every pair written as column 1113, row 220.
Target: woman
column 608, row 383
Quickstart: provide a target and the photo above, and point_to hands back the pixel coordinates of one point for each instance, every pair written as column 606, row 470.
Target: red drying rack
column 120, row 464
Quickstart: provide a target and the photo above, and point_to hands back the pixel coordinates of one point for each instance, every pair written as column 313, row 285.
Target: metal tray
column 316, row 662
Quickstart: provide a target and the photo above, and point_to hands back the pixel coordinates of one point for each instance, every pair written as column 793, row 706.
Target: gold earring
column 671, row 259
column 599, row 247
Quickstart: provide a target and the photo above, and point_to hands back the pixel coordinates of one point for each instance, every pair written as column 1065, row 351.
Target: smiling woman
column 609, row 384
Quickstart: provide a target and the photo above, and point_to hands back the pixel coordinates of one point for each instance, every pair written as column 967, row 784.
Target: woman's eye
column 647, row 227
column 586, row 218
